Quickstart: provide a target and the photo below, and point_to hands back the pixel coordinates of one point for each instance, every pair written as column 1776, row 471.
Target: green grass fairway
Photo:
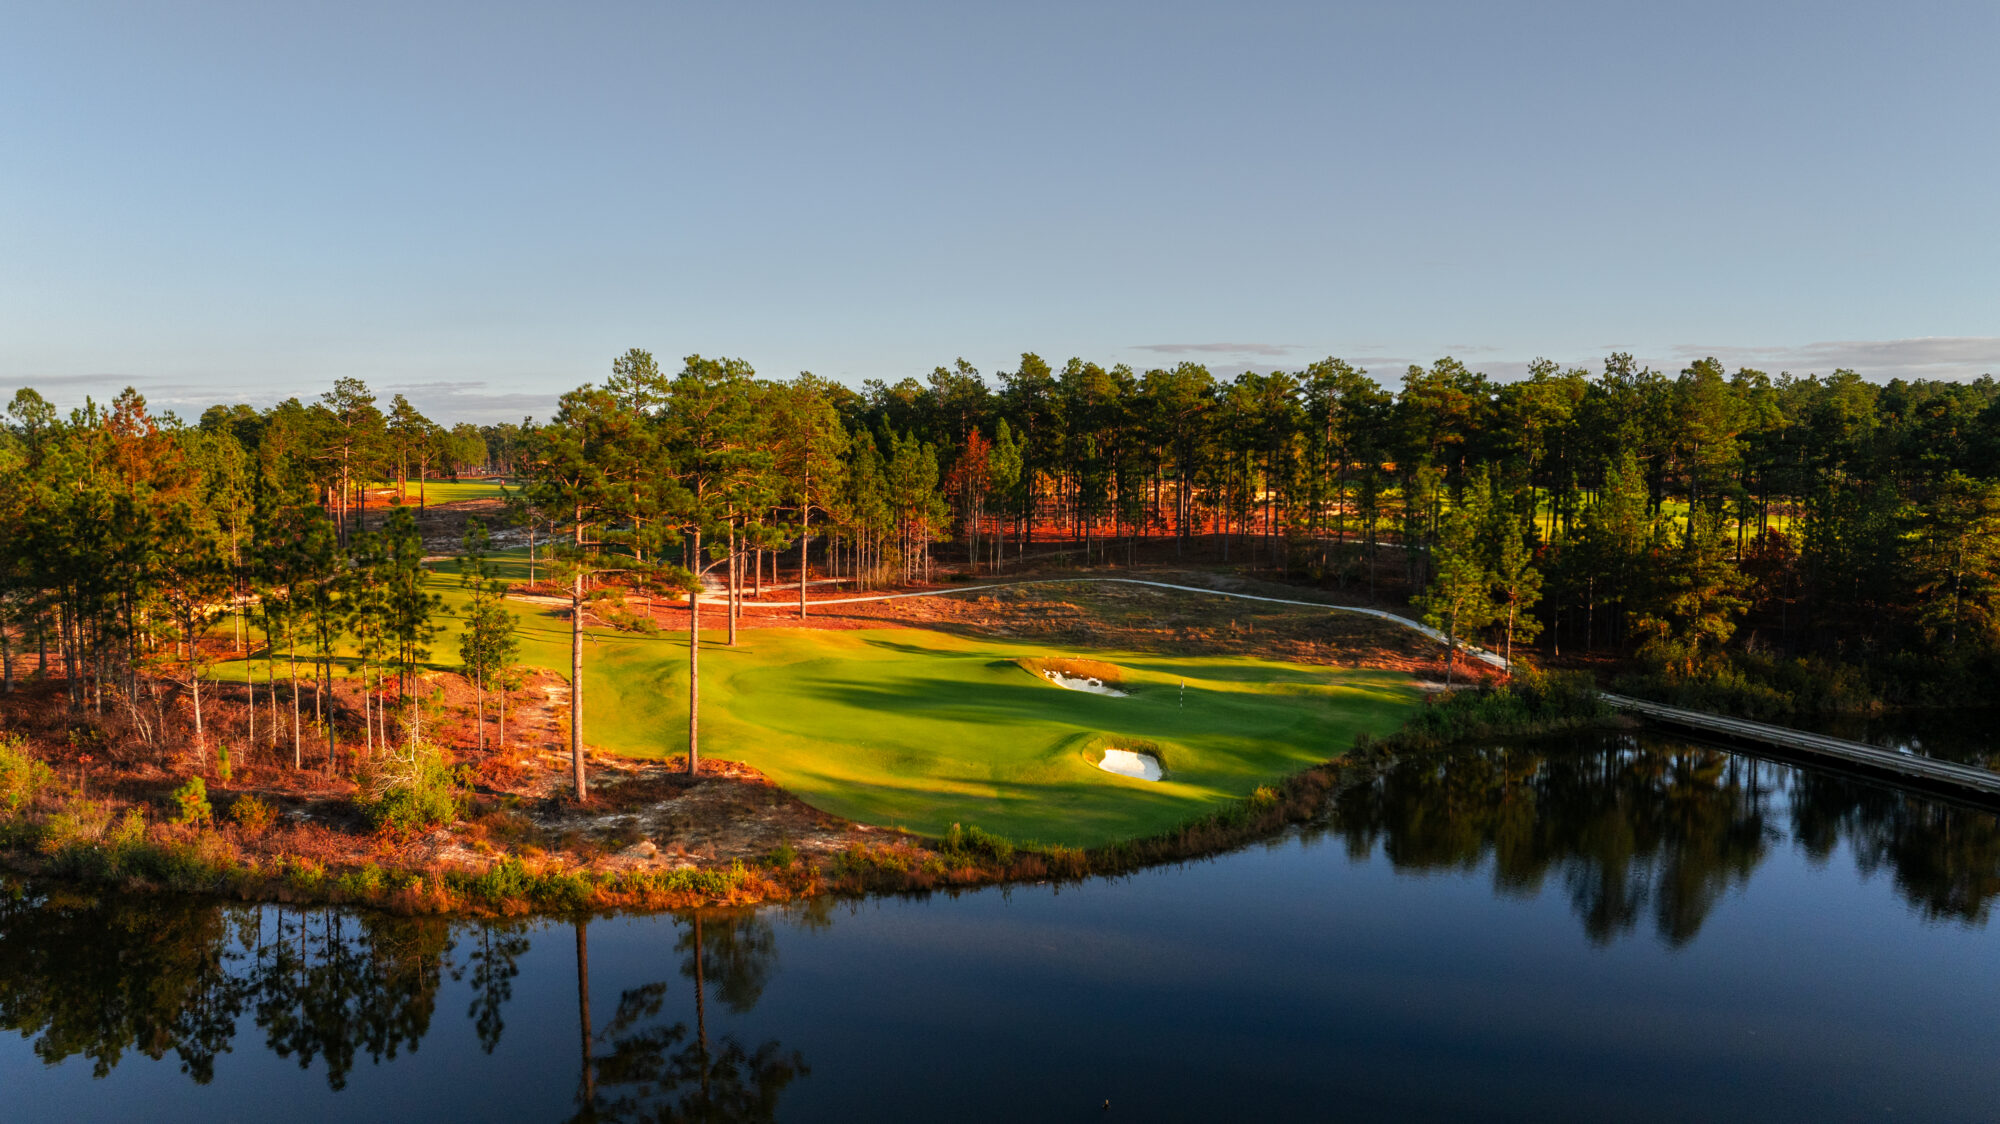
column 445, row 491
column 917, row 729
column 924, row 729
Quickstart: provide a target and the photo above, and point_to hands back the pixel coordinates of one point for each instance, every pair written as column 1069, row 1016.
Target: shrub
column 972, row 841
column 222, row 762
column 252, row 815
column 21, row 776
column 1533, row 703
column 361, row 885
column 306, row 876
column 1067, row 862
column 506, row 880
column 1753, row 685
column 782, row 856
column 80, row 821
column 191, row 804
column 130, row 832
column 412, row 789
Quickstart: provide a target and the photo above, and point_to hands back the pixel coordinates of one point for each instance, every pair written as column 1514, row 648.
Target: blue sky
column 482, row 204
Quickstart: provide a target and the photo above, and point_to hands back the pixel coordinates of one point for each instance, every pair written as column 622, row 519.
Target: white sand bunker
column 1082, row 683
column 1126, row 763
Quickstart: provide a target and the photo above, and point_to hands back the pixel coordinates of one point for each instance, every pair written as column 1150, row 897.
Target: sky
column 479, row 205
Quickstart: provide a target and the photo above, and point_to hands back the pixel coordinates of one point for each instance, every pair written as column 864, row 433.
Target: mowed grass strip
column 921, row 730
column 435, row 492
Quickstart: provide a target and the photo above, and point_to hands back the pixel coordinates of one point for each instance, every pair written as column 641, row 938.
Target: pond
column 1612, row 926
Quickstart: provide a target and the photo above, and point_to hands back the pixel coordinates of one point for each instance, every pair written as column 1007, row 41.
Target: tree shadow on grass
column 1028, row 812
column 1157, row 715
column 916, row 649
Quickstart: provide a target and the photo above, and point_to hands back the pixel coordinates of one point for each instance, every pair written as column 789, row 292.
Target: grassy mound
column 1093, row 747
column 1110, row 674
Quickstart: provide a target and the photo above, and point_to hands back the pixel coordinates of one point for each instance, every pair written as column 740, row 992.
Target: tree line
column 133, row 539
column 1774, row 540
column 1786, row 541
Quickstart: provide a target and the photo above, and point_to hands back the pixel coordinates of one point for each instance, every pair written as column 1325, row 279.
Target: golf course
column 920, row 729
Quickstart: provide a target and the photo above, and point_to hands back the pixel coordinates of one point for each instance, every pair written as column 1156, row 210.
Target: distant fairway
column 919, row 729
column 437, row 492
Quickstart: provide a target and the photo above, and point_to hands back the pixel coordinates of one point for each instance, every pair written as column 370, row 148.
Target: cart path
column 1380, row 614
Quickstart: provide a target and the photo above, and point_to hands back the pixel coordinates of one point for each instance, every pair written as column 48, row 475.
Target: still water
column 1606, row 927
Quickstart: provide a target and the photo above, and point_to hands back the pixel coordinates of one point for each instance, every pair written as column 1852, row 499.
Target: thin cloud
column 448, row 402
column 1268, row 349
column 1924, row 357
column 451, row 402
column 122, row 381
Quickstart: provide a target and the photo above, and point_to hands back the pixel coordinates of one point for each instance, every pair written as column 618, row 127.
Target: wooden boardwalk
column 1906, row 768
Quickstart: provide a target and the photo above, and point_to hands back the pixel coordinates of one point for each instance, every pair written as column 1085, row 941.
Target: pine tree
column 1698, row 600
column 191, row 579
column 808, row 443
column 411, row 606
column 489, row 644
column 1003, row 474
column 1516, row 581
column 1459, row 598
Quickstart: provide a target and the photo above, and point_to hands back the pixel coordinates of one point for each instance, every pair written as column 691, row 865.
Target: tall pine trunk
column 298, row 753
column 805, row 536
column 576, row 687
column 194, row 687
column 730, row 587
column 694, row 677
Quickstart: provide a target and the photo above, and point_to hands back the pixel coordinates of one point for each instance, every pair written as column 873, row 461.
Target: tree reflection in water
column 99, row 976
column 152, row 975
column 642, row 1067
column 332, row 985
column 1633, row 827
column 1945, row 860
column 96, row 977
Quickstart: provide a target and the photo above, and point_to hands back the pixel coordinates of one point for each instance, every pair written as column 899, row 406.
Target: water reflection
column 1628, row 834
column 1964, row 736
column 1945, row 860
column 1633, row 827
column 640, row 1066
column 158, row 978
column 98, row 977
column 330, row 986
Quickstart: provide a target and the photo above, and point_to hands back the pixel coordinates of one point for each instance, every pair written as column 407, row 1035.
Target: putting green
column 917, row 729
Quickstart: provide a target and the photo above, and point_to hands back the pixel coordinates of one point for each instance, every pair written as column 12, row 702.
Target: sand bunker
column 1082, row 683
column 1126, row 763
